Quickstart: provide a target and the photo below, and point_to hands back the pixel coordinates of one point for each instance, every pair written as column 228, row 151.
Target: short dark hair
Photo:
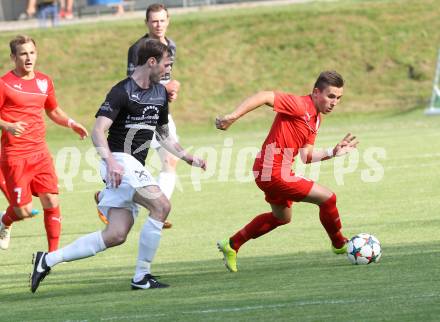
column 329, row 78
column 155, row 7
column 151, row 48
column 19, row 40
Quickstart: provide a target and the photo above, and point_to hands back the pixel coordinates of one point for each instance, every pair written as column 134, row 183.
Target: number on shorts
column 18, row 191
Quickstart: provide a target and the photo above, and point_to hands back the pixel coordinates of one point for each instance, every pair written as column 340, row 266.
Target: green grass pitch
column 288, row 275
column 386, row 51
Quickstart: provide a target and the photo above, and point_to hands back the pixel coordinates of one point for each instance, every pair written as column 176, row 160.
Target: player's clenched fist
column 223, row 122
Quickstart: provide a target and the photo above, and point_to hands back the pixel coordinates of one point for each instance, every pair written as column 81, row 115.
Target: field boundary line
column 273, row 306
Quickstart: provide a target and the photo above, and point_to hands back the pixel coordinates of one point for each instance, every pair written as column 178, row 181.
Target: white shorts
column 135, row 176
column 173, row 133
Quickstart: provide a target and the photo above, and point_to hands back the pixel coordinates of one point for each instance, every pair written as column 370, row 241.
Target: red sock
column 260, row 225
column 10, row 216
column 52, row 222
column 329, row 216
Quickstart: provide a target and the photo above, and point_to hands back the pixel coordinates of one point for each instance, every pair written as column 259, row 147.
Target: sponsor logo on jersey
column 139, row 126
column 106, row 107
column 19, row 86
column 42, row 85
column 155, row 99
column 307, row 117
column 149, row 108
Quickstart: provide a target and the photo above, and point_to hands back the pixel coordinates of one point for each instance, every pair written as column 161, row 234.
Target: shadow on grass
column 296, row 268
column 300, row 284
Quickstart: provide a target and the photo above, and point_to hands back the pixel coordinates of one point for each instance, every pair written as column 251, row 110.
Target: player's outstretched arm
column 249, row 104
column 309, row 154
column 172, row 146
column 60, row 117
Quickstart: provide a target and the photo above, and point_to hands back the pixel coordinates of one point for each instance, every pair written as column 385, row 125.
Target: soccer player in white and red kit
column 25, row 157
column 293, row 131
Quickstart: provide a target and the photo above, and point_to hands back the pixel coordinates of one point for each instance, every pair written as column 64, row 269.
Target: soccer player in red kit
column 25, row 157
column 293, row 131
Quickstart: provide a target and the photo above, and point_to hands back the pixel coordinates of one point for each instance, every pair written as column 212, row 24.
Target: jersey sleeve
column 163, row 114
column 113, row 103
column 288, row 104
column 51, row 101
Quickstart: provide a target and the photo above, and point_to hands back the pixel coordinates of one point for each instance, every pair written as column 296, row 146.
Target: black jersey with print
column 135, row 113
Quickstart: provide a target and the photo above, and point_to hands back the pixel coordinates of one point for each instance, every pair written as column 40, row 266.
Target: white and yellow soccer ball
column 364, row 249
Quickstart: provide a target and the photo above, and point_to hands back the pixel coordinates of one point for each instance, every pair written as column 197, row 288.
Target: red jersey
column 296, row 125
column 24, row 100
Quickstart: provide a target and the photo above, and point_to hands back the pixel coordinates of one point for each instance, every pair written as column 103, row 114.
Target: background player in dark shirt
column 133, row 109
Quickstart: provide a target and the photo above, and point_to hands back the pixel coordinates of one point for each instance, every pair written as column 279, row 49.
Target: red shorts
column 29, row 176
column 283, row 192
column 3, row 185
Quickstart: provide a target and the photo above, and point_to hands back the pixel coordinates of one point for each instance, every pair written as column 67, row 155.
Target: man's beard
column 155, row 79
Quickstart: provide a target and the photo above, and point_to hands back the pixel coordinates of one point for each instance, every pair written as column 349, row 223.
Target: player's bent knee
column 285, row 221
column 115, row 239
column 120, row 239
column 330, row 200
column 161, row 210
column 165, row 208
column 23, row 212
column 49, row 200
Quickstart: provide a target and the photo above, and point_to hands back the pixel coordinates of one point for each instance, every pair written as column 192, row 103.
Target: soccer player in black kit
column 133, row 110
column 157, row 21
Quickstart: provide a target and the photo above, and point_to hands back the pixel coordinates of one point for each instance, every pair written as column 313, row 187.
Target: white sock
column 83, row 247
column 167, row 182
column 148, row 245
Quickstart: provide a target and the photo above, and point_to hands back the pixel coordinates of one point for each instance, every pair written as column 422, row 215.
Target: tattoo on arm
column 169, row 143
column 162, row 132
